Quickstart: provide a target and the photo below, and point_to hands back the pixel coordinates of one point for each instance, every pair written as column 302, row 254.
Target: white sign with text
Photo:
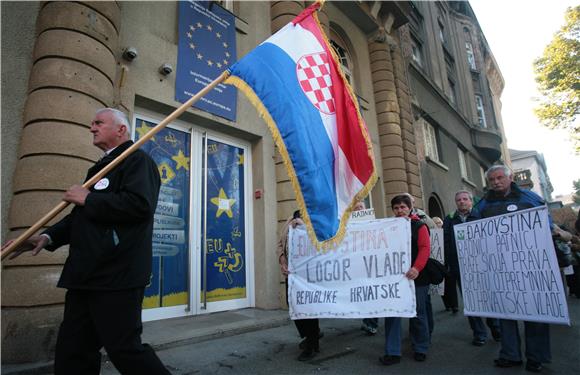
column 509, row 268
column 363, row 277
column 366, row 214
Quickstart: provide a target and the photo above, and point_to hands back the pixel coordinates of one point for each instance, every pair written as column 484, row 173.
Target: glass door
column 168, row 291
column 224, row 273
column 202, row 242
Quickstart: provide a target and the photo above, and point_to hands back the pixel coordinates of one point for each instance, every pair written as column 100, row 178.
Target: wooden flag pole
column 62, row 205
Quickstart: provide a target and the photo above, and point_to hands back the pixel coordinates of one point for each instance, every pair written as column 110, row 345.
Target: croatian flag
column 294, row 81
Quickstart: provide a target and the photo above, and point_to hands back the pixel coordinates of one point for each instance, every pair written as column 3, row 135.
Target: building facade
column 531, row 172
column 64, row 60
column 456, row 86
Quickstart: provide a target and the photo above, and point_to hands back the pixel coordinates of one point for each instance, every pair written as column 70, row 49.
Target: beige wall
column 16, row 63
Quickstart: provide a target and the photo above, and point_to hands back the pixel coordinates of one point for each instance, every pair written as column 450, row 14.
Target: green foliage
column 558, row 77
column 576, row 196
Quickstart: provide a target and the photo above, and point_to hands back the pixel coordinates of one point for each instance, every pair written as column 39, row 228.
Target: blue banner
column 207, row 47
column 226, row 249
column 170, row 149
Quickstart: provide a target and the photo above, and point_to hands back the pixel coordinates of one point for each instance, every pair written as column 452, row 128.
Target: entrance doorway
column 202, row 244
column 435, row 207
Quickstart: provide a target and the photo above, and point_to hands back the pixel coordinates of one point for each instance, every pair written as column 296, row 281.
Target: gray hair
column 506, row 171
column 119, row 116
column 465, row 192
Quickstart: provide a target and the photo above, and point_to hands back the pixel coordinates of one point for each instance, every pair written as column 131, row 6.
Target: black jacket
column 494, row 204
column 423, row 278
column 110, row 237
column 449, row 245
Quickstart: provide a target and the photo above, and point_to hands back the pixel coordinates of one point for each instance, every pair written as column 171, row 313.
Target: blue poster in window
column 170, row 149
column 226, row 250
column 206, row 48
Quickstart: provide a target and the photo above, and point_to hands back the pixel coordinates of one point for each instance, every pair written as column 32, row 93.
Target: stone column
column 406, row 121
column 72, row 75
column 388, row 120
column 396, row 137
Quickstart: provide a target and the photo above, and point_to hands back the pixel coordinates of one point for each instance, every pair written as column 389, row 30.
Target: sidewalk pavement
column 164, row 334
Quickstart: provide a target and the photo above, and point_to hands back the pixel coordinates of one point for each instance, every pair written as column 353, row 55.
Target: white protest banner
column 436, row 236
column 509, row 268
column 363, row 277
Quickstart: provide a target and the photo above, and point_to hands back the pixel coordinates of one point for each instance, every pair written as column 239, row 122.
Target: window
column 417, row 50
column 462, row 163
column 431, row 148
column 480, row 111
column 470, row 56
column 441, row 32
column 343, row 57
column 452, row 93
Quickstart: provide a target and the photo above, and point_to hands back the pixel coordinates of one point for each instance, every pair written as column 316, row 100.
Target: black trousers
column 573, row 282
column 307, row 328
column 450, row 291
column 109, row 319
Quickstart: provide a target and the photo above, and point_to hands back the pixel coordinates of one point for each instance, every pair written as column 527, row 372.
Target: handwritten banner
column 509, row 268
column 436, row 236
column 363, row 277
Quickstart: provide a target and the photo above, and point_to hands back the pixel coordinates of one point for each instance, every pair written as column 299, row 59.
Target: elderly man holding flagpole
column 295, row 82
column 109, row 234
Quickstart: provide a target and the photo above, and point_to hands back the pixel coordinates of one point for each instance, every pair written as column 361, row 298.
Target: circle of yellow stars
column 219, row 64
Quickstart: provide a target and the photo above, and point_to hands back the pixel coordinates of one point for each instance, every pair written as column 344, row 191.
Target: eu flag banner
column 295, row 82
column 207, row 47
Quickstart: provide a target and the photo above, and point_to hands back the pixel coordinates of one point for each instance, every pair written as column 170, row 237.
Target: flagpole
column 62, row 205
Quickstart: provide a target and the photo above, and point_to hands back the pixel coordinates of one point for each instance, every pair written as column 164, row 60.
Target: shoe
column 420, row 357
column 496, row 334
column 303, row 345
column 478, row 342
column 371, row 331
column 533, row 366
column 505, row 363
column 307, row 354
column 388, row 360
column 454, row 310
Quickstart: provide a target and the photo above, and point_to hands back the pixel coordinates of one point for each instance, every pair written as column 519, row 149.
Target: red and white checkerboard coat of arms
column 313, row 73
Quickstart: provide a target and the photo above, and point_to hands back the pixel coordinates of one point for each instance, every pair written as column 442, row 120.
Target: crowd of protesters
column 502, row 196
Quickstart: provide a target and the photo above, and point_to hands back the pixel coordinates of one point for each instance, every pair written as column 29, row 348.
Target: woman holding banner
column 308, row 329
column 418, row 327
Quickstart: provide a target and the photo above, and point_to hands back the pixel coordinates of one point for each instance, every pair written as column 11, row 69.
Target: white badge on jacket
column 102, row 184
column 512, row 207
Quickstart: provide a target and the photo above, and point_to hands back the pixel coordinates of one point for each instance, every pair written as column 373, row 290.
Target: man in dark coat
column 464, row 203
column 504, row 196
column 109, row 233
